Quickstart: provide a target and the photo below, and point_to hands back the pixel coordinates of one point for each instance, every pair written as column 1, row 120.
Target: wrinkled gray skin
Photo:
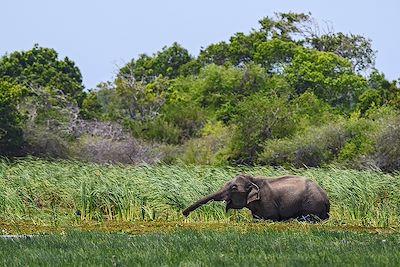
column 276, row 199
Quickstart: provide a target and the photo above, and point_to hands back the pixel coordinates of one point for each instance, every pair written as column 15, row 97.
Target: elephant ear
column 254, row 193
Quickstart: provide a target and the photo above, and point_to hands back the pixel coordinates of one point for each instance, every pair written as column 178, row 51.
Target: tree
column 139, row 100
column 388, row 90
column 328, row 76
column 275, row 55
column 276, row 37
column 355, row 48
column 91, row 107
column 242, row 48
column 287, row 26
column 380, row 92
column 215, row 54
column 41, row 67
column 260, row 117
column 167, row 63
column 11, row 137
column 219, row 89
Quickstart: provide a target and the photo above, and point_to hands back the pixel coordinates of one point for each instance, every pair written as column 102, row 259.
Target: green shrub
column 387, row 147
column 260, row 118
column 43, row 143
column 310, row 154
column 360, row 140
column 366, row 134
column 91, row 107
column 157, row 130
column 278, row 152
column 371, row 98
column 308, row 110
column 208, row 148
column 51, row 124
column 312, row 148
column 187, row 117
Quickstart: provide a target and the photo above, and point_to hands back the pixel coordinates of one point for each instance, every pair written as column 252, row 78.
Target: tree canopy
column 40, row 67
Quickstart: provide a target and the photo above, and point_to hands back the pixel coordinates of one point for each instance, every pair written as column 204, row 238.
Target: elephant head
column 237, row 193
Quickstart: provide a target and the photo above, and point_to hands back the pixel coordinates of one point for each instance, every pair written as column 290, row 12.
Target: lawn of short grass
column 223, row 247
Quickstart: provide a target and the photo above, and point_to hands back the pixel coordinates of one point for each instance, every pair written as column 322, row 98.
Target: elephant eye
column 234, row 187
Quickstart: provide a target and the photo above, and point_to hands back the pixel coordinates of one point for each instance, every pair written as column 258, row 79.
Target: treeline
column 284, row 94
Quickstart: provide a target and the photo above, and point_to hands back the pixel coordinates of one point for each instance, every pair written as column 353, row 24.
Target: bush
column 310, row 155
column 312, row 148
column 125, row 151
column 91, row 107
column 106, row 142
column 260, row 117
column 188, row 117
column 208, row 148
column 51, row 120
column 363, row 132
column 369, row 99
column 278, row 152
column 387, row 156
column 307, row 110
column 43, row 143
column 157, row 130
column 360, row 141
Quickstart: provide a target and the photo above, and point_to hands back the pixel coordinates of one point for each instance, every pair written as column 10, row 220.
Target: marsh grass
column 44, row 192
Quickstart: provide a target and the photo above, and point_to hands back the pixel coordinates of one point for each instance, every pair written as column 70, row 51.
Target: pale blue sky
column 101, row 36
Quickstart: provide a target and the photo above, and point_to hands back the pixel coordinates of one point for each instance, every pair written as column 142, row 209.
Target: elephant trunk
column 218, row 196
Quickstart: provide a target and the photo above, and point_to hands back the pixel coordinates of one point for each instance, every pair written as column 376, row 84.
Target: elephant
column 272, row 198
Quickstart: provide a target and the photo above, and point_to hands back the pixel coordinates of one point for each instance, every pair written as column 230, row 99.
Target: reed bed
column 60, row 192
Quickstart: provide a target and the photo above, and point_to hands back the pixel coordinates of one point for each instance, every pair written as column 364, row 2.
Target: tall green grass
column 70, row 192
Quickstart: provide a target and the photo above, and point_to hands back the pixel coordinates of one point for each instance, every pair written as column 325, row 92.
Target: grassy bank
column 312, row 247
column 43, row 192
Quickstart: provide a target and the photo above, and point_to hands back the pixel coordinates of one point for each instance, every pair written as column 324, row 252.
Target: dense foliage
column 282, row 94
